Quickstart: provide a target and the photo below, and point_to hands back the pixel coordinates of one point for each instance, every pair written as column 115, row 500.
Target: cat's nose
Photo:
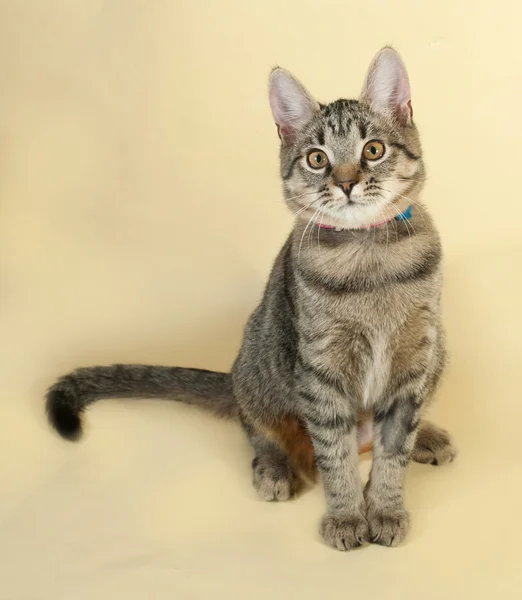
column 347, row 186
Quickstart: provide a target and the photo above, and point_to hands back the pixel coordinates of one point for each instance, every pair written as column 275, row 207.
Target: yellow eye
column 373, row 150
column 317, row 159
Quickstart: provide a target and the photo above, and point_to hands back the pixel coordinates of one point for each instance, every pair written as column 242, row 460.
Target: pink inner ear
column 405, row 112
column 285, row 132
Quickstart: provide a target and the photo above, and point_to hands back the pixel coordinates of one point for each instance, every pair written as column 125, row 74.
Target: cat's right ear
column 292, row 105
column 387, row 87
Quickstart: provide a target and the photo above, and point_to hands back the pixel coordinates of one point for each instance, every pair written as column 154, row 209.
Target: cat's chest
column 359, row 352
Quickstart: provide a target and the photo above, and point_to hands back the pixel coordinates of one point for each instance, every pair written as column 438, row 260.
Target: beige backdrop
column 140, row 213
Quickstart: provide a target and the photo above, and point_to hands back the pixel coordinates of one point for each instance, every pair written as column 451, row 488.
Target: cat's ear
column 292, row 105
column 387, row 87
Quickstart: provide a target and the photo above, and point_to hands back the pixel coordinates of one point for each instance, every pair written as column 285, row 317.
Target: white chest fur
column 378, row 372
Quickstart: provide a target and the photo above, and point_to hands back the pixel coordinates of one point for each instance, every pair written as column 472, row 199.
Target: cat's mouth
column 356, row 201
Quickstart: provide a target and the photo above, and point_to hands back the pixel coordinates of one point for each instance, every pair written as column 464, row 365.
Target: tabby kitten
column 346, row 347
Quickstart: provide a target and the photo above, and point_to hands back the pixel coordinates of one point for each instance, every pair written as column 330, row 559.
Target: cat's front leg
column 332, row 424
column 396, row 426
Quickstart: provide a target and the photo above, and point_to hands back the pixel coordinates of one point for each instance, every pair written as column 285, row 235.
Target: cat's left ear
column 387, row 87
column 292, row 104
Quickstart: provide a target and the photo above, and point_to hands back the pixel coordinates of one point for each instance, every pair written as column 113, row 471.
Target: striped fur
column 347, row 338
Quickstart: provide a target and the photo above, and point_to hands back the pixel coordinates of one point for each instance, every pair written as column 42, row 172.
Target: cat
column 346, row 348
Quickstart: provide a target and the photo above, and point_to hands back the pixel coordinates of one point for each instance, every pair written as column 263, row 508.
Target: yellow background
column 140, row 211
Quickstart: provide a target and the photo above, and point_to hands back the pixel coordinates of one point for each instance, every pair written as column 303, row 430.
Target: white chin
column 359, row 215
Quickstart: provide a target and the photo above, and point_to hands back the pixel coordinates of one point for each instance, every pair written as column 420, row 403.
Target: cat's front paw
column 388, row 526
column 344, row 531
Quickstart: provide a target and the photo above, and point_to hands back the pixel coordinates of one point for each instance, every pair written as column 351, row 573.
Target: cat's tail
column 71, row 394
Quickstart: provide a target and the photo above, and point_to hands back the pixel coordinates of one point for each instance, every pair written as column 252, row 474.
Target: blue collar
column 406, row 215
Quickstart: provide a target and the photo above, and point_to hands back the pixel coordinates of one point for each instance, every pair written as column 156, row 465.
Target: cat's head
column 351, row 163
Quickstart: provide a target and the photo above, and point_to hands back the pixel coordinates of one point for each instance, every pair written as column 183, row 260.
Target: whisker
column 375, row 229
column 409, row 200
column 301, row 195
column 408, row 225
column 318, row 240
column 303, row 208
column 301, row 242
column 387, row 232
column 314, row 217
column 403, row 179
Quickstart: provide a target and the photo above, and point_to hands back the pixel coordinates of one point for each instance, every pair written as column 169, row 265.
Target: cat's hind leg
column 273, row 476
column 433, row 445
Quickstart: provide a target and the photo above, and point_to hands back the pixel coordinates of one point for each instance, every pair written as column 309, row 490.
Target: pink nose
column 347, row 186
